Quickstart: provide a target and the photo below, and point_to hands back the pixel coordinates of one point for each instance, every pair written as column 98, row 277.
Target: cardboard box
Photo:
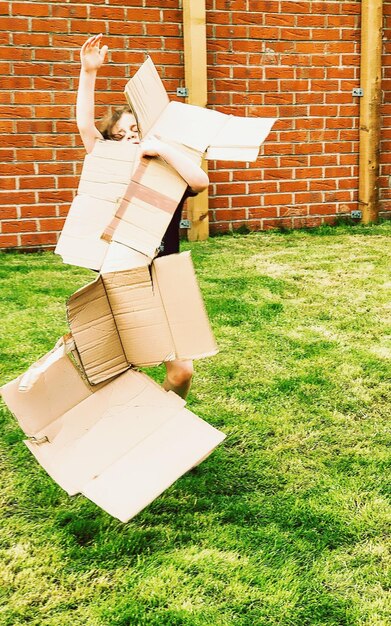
column 142, row 316
column 222, row 137
column 121, row 443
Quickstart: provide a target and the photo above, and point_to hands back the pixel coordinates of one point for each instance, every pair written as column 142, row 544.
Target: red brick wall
column 297, row 61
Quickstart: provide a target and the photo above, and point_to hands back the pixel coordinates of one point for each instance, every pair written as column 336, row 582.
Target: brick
column 38, row 211
column 36, row 182
column 14, row 24
column 8, row 241
column 55, row 168
column 262, row 212
column 17, row 197
column 244, row 201
column 35, row 154
column 51, row 224
column 31, row 39
column 18, row 226
column 55, row 196
column 33, row 239
column 224, row 215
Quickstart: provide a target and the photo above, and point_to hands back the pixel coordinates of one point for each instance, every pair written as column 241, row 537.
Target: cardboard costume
column 96, row 425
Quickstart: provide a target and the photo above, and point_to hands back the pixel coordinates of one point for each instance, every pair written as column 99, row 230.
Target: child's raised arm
column 92, row 58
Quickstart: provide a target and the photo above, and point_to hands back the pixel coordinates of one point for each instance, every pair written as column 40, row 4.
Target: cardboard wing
column 223, row 137
column 141, row 317
column 121, row 444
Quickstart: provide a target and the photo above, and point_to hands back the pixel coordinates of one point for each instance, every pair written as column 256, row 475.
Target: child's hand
column 151, row 147
column 91, row 55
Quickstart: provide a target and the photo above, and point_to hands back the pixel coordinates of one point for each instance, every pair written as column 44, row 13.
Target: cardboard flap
column 58, row 388
column 105, row 176
column 184, row 307
column 244, row 155
column 80, row 241
column 239, row 138
column 100, row 430
column 190, row 125
column 115, row 150
column 96, row 336
column 140, row 317
column 119, row 258
column 146, row 96
column 159, row 460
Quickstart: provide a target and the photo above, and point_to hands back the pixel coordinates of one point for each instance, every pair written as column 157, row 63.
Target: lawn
column 288, row 522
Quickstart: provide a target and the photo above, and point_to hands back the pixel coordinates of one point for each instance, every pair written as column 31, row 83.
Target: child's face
column 126, row 129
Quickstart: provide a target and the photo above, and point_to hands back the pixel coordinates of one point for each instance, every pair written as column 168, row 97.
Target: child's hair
column 109, row 121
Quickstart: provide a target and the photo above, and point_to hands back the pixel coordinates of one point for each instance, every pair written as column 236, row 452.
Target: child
column 121, row 126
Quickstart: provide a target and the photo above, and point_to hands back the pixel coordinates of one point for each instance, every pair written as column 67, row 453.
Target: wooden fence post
column 371, row 51
column 194, row 35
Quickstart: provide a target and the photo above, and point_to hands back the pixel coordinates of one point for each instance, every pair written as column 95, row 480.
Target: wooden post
column 194, row 35
column 371, row 51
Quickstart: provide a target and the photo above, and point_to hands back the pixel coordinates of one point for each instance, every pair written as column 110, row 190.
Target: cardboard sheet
column 147, row 207
column 146, row 96
column 121, row 444
column 105, row 177
column 124, row 200
column 140, row 317
column 223, row 137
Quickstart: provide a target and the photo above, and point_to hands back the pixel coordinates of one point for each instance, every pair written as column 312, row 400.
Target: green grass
column 288, row 522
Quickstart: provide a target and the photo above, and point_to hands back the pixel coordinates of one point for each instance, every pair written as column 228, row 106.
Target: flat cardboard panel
column 141, row 227
column 119, row 258
column 146, row 96
column 106, row 174
column 243, row 155
column 154, row 173
column 116, row 150
column 153, row 465
column 80, row 242
column 193, row 126
column 121, row 444
column 190, row 125
column 100, row 430
column 58, row 388
column 243, row 132
column 184, row 307
column 149, row 203
column 95, row 333
column 106, row 170
column 239, row 138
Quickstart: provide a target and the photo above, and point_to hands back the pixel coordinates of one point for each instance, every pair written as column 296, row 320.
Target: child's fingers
column 103, row 52
column 92, row 41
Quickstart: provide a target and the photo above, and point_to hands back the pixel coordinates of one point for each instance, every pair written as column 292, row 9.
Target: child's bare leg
column 178, row 377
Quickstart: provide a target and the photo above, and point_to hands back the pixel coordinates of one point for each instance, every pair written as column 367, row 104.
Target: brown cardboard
column 121, row 199
column 105, row 177
column 147, row 207
column 143, row 316
column 223, row 137
column 121, row 444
